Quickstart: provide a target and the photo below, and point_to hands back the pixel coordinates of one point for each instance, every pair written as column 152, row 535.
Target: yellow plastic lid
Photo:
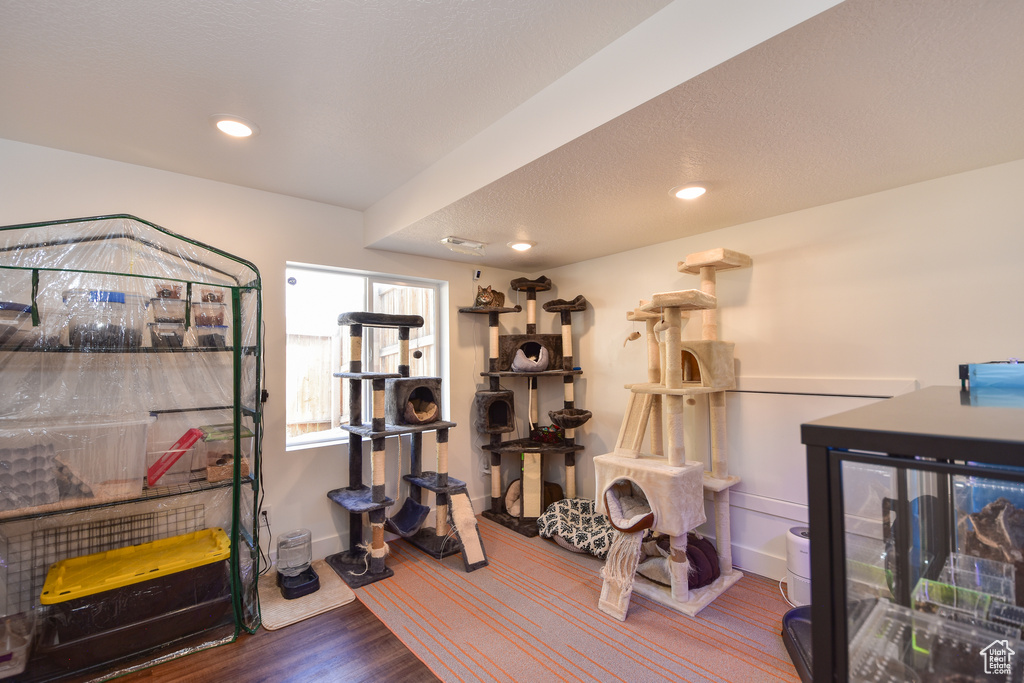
column 90, row 574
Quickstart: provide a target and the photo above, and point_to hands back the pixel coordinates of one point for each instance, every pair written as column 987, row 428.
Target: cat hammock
column 408, row 520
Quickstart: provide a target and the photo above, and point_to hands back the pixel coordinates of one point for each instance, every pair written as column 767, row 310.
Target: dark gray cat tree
column 396, row 397
column 495, row 407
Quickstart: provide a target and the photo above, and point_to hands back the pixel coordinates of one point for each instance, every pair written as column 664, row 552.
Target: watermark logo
column 997, row 657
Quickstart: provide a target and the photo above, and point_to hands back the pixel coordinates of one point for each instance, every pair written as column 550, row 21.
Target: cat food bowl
column 100, row 319
column 166, row 310
column 205, row 314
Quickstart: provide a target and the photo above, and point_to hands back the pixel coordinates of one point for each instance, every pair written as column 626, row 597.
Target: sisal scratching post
column 719, row 449
column 674, row 380
column 403, row 351
column 532, row 489
column 679, row 568
column 654, row 377
column 534, row 408
column 442, row 526
column 378, row 548
column 674, row 428
column 566, row 319
column 495, row 482
column 723, row 531
column 492, row 350
column 673, row 352
column 355, row 348
column 377, row 453
column 709, row 285
column 441, row 438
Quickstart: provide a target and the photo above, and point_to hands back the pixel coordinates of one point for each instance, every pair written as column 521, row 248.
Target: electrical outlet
column 265, row 516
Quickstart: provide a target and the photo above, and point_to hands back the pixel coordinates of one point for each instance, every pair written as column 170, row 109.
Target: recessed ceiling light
column 689, row 191
column 235, row 126
column 522, row 245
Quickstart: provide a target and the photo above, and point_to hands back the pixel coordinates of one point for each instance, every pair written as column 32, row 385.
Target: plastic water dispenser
column 295, row 576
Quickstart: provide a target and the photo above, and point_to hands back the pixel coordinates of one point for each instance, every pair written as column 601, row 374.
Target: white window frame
column 370, row 279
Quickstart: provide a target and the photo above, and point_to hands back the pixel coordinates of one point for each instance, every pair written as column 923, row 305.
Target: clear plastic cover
column 130, row 360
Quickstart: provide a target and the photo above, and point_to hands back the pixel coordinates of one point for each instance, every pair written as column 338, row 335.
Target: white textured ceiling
column 864, row 97
column 396, row 106
column 353, row 97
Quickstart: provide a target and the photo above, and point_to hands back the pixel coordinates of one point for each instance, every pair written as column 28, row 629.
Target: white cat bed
column 628, row 507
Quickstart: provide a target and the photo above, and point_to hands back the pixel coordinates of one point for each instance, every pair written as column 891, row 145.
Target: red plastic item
column 167, row 460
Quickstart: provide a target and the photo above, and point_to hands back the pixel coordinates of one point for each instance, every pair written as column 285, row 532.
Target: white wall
column 38, row 184
column 900, row 285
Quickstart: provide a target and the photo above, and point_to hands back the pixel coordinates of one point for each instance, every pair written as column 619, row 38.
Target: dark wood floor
column 346, row 644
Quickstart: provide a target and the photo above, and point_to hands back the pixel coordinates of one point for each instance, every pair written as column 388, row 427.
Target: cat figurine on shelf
column 488, row 298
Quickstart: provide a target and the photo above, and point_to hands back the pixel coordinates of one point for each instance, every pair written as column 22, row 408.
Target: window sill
column 333, row 437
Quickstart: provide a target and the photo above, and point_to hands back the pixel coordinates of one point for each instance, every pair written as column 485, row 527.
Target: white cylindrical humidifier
column 798, row 565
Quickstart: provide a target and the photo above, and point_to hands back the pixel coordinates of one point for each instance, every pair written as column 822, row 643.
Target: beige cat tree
column 662, row 490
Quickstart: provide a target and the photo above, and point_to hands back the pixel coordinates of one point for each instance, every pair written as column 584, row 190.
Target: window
column 317, row 347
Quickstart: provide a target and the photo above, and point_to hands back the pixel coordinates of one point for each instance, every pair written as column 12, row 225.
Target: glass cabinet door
column 931, row 566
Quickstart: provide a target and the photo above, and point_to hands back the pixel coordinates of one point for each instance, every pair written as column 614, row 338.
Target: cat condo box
column 49, row 462
column 101, row 607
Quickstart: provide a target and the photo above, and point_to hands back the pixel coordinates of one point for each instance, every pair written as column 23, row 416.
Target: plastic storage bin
column 168, row 310
column 206, row 314
column 100, row 319
column 110, row 604
column 986, row 576
column 16, row 634
column 216, row 451
column 168, row 290
column 27, row 476
column 16, row 325
column 167, row 335
column 212, row 294
column 899, row 645
column 212, row 336
column 101, row 460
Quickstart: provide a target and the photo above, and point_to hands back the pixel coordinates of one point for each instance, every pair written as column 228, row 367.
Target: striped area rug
column 532, row 616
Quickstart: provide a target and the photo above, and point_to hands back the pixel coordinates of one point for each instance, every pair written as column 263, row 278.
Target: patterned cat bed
column 574, row 525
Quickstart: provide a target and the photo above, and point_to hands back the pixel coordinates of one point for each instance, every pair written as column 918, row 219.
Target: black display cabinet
column 916, row 508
